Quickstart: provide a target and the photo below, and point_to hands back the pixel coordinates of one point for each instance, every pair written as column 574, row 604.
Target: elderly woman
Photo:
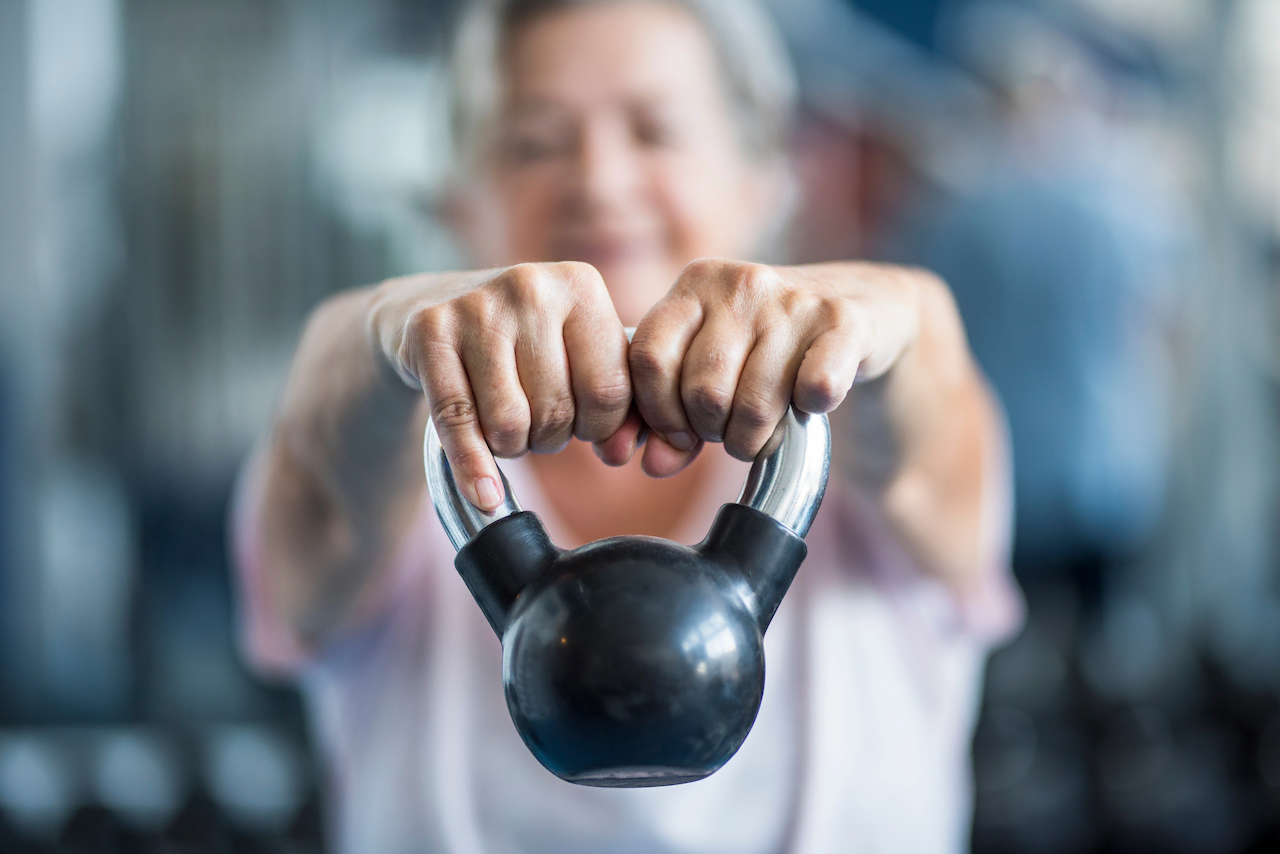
column 619, row 160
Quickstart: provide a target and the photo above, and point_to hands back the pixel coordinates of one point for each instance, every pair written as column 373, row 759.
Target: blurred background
column 1099, row 181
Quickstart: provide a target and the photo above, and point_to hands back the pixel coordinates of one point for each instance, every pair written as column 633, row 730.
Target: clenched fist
column 512, row 360
column 523, row 358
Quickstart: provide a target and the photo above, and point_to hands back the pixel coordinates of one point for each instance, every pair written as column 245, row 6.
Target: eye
column 658, row 131
column 535, row 143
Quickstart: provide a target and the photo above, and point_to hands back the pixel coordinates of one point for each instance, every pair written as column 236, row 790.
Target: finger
column 763, row 394
column 827, row 373
column 456, row 418
column 543, row 367
column 501, row 404
column 660, row 459
column 618, row 449
column 656, row 355
column 597, row 351
column 709, row 376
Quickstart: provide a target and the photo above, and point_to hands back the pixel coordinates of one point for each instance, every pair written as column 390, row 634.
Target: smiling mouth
column 607, row 253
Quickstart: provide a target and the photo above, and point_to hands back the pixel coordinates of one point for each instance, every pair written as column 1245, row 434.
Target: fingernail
column 681, row 441
column 488, row 493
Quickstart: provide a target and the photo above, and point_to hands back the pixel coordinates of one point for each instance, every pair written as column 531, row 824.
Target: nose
column 608, row 168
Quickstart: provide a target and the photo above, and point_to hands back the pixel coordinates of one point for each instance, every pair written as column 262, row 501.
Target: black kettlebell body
column 633, row 661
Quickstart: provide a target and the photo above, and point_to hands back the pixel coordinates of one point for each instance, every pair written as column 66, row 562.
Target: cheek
column 710, row 210
column 517, row 223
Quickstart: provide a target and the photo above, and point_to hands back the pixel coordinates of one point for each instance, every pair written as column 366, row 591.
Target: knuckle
column 836, row 313
column 751, row 284
column 423, row 331
column 745, row 446
column 701, row 268
column 477, row 310
column 526, row 285
column 553, row 414
column 847, row 316
column 470, row 459
column 452, row 412
column 553, row 425
column 708, row 403
column 580, row 275
column 647, row 361
column 714, row 359
column 823, row 389
column 429, row 326
column 755, row 410
column 522, row 274
column 607, row 394
column 507, row 430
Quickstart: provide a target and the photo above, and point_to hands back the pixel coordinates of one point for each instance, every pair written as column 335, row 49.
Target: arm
column 341, row 470
column 337, row 476
column 881, row 347
column 925, row 444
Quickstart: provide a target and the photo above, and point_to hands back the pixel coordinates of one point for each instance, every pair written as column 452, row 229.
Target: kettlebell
column 638, row 661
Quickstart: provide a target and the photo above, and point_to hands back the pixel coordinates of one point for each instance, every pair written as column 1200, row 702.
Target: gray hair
column 757, row 75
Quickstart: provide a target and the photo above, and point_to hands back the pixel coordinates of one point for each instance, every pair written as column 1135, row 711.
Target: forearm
column 924, row 444
column 732, row 344
column 343, row 468
column 341, row 472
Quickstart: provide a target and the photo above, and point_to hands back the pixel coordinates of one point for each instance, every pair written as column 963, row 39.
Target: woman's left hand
column 732, row 344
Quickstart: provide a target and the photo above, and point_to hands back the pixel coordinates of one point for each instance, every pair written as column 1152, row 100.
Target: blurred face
column 614, row 146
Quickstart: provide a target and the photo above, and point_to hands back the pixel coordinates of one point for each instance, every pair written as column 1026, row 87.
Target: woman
column 605, row 146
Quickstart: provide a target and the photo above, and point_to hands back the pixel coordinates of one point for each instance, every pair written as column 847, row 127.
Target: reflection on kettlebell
column 637, row 661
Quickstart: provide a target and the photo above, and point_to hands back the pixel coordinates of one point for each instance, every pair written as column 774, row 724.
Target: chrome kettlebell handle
column 786, row 481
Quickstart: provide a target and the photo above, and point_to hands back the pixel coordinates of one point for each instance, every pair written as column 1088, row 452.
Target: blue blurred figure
column 1060, row 249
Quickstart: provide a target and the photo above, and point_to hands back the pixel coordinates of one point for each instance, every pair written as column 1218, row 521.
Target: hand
column 732, row 344
column 511, row 360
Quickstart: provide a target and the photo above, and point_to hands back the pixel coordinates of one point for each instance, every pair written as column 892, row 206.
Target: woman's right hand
column 510, row 360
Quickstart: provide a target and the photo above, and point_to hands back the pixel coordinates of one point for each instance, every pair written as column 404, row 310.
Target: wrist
column 385, row 326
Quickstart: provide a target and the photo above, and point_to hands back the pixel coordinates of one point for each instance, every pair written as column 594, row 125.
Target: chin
column 635, row 289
